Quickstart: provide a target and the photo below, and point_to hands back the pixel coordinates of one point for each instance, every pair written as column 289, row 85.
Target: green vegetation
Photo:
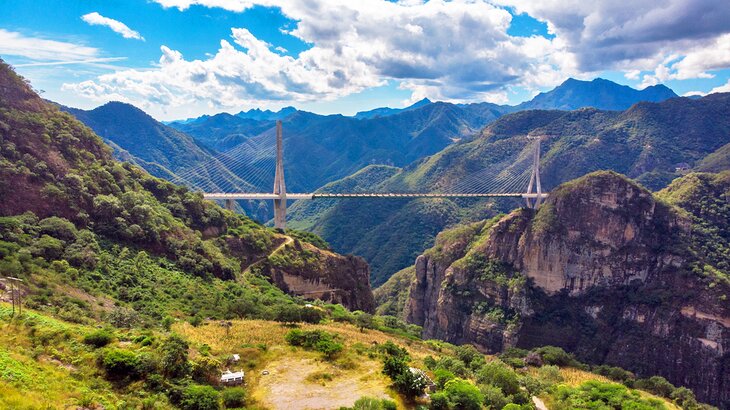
column 597, row 395
column 704, row 197
column 323, row 342
column 369, row 403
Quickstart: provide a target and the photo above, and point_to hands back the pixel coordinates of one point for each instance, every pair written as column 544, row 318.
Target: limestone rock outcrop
column 604, row 269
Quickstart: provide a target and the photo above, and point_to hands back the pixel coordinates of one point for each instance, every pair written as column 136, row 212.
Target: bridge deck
column 244, row 195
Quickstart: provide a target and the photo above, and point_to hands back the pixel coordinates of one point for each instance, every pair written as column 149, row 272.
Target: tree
column 197, row 397
column 175, row 357
column 463, row 395
column 364, row 321
column 498, row 374
column 234, row 397
column 242, row 308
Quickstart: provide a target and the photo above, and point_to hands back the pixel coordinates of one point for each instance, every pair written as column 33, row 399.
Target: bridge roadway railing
column 244, row 195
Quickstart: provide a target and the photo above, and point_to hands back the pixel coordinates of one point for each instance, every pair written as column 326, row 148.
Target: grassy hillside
column 50, row 363
column 94, row 238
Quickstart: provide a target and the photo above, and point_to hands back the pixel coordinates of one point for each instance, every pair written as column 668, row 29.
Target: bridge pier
column 229, row 204
column 279, row 184
column 534, row 177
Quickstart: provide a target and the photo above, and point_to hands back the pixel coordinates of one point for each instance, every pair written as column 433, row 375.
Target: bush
column 493, row 397
column 119, row 363
column 615, row 373
column 601, row 395
column 657, row 385
column 197, row 397
column 500, row 375
column 174, row 358
column 470, row 356
column 550, row 374
column 463, row 395
column 234, row 397
column 439, row 401
column 442, row 376
column 557, row 356
column 370, row 403
column 99, row 338
column 318, row 340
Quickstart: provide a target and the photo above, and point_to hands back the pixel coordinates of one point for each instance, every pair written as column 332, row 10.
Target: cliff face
column 603, row 269
column 304, row 270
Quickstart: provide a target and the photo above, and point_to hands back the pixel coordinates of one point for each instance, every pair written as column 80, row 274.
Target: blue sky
column 330, row 56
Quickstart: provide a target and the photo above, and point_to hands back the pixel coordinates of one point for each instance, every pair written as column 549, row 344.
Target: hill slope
column 72, row 215
column 161, row 150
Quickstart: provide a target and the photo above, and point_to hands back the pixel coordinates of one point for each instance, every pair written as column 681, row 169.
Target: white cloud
column 725, row 88
column 609, row 34
column 34, row 48
column 445, row 50
column 96, row 19
column 456, row 50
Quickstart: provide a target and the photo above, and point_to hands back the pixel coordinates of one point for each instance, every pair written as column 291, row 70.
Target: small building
column 232, row 378
column 682, row 168
column 430, row 385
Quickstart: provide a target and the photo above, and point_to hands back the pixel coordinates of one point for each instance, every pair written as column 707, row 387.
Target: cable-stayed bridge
column 247, row 172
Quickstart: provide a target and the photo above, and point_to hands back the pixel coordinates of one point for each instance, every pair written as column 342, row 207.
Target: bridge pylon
column 534, row 176
column 279, row 184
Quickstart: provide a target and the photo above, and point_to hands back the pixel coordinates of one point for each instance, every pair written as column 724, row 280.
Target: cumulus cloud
column 457, row 50
column 605, row 34
column 447, row 50
column 96, row 19
column 725, row 88
column 34, row 48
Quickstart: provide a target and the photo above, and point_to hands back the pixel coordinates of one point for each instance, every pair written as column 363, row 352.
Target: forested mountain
column 598, row 93
column 649, row 141
column 81, row 228
column 161, row 150
column 386, row 111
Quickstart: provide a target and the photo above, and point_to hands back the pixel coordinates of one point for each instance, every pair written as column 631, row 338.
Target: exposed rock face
column 301, row 269
column 603, row 269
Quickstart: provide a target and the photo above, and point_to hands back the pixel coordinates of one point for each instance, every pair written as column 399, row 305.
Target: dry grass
column 247, row 333
column 298, row 377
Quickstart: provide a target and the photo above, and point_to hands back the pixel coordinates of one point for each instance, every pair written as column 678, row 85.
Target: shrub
column 498, row 374
column 555, row 355
column 318, row 340
column 493, row 397
column 470, row 356
column 119, row 363
column 98, row 338
column 370, row 403
column 197, row 397
column 442, row 376
column 601, row 395
column 439, row 401
column 364, row 321
column 657, row 385
column 463, row 395
column 234, row 397
column 550, row 374
column 615, row 373
column 174, row 358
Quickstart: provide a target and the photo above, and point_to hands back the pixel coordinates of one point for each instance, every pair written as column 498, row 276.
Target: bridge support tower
column 535, row 176
column 279, row 184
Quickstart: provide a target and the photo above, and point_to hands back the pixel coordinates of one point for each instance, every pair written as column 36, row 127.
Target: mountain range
column 652, row 142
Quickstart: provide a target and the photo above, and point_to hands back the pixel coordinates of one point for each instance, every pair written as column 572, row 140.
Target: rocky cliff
column 302, row 269
column 604, row 269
